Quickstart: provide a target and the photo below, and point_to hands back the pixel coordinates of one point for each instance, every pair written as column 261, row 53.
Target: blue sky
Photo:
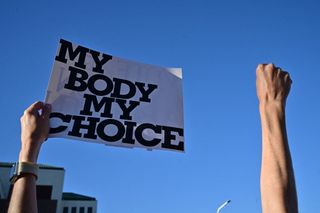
column 218, row 44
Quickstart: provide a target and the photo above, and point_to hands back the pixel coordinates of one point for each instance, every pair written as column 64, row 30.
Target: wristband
column 20, row 169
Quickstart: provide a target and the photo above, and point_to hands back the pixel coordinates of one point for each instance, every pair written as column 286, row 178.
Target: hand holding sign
column 34, row 130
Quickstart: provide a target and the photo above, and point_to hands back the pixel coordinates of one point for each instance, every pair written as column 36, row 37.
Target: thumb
column 46, row 111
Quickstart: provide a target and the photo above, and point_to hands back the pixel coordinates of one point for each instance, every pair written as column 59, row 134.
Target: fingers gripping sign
column 34, row 130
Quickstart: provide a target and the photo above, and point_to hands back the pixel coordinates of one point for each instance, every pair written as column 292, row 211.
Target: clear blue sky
column 218, row 44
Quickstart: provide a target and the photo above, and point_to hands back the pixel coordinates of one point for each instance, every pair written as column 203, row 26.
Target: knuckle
column 271, row 65
column 260, row 65
column 287, row 76
column 260, row 68
column 269, row 68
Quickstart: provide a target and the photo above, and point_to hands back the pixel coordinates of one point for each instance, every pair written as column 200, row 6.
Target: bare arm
column 278, row 191
column 34, row 130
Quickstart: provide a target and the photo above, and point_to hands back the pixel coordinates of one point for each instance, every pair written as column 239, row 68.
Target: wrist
column 23, row 170
column 29, row 153
column 272, row 112
column 274, row 107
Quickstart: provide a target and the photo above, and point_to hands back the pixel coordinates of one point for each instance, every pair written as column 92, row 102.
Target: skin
column 278, row 191
column 34, row 131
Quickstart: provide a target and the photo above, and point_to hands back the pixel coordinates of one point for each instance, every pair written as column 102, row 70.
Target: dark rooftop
column 74, row 196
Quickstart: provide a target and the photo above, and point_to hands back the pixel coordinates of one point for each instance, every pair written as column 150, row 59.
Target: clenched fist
column 273, row 84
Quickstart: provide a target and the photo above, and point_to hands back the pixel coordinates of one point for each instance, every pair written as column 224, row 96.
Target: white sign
column 100, row 98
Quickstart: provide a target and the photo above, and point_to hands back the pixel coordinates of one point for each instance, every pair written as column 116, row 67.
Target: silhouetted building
column 50, row 197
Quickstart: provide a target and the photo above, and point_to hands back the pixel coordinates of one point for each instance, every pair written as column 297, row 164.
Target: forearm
column 23, row 198
column 277, row 178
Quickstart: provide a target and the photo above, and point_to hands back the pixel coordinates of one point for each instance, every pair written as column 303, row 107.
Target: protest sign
column 101, row 98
